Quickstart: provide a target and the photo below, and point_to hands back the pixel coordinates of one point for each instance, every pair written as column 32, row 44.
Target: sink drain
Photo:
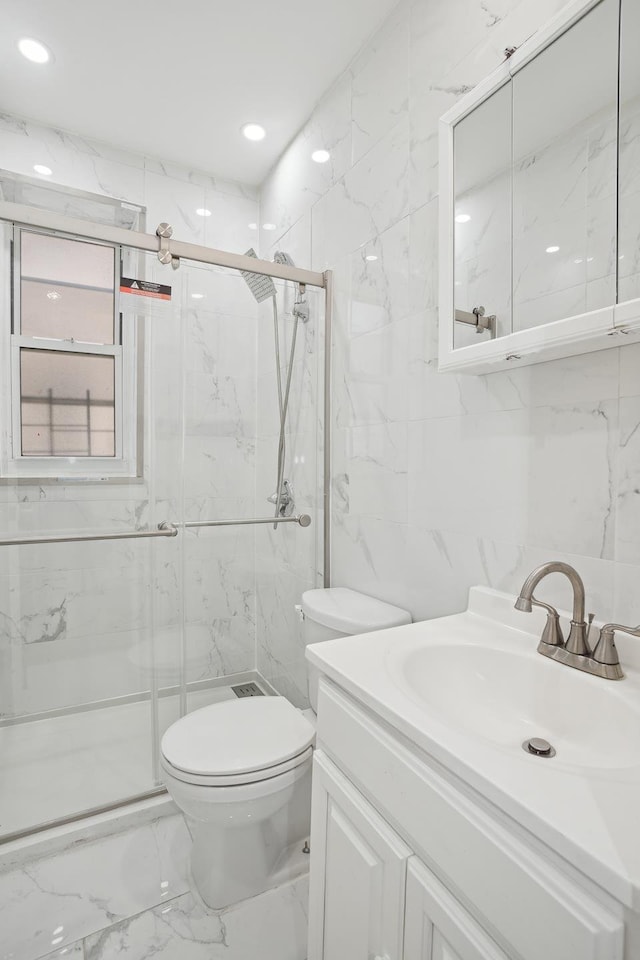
column 538, row 747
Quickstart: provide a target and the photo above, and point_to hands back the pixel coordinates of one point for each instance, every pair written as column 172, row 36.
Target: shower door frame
column 25, row 216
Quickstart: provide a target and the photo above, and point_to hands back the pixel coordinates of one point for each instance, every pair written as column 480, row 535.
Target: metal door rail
column 165, row 529
column 302, row 519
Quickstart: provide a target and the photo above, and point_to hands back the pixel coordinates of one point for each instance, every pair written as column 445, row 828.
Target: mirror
column 532, row 185
column 629, row 161
column 482, row 219
column 564, row 174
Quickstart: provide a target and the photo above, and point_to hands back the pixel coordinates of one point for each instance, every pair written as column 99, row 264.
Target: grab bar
column 165, row 529
column 302, row 519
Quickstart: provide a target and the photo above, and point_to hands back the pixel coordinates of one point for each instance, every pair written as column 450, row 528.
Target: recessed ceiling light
column 552, row 249
column 203, row 212
column 589, row 259
column 268, row 226
column 621, row 257
column 320, row 156
column 462, row 218
column 197, row 296
column 34, row 50
column 253, row 131
column 579, row 260
column 53, row 295
column 42, row 170
column 253, row 226
column 371, row 257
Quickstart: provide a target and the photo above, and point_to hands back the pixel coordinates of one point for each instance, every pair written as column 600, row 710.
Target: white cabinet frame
column 610, row 326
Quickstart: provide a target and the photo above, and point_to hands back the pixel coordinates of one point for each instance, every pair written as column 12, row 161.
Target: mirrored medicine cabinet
column 540, row 197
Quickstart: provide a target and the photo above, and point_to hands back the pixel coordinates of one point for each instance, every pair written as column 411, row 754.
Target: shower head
column 281, row 257
column 261, row 287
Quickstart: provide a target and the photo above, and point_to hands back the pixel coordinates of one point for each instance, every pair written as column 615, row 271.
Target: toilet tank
column 339, row 612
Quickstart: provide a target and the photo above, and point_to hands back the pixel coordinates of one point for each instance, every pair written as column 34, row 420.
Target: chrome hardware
column 249, row 689
column 302, row 519
column 538, row 747
column 477, row 319
column 552, row 633
column 285, row 502
column 164, row 231
column 300, row 310
column 574, row 651
column 606, row 653
column 576, row 642
column 165, row 529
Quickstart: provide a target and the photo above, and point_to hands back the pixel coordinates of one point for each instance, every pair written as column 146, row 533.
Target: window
column 70, row 406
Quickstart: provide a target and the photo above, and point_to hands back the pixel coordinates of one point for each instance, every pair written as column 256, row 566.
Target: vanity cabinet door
column 358, row 871
column 437, row 927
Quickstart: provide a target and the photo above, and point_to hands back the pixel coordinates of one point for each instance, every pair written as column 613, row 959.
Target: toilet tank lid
column 348, row 611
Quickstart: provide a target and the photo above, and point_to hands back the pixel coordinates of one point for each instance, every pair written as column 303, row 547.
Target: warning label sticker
column 145, row 288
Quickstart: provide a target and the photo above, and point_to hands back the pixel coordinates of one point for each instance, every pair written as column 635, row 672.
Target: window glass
column 66, row 289
column 67, row 403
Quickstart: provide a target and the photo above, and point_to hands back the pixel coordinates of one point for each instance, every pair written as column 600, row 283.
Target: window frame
column 13, row 464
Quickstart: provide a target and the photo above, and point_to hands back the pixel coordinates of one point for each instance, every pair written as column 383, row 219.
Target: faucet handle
column 552, row 633
column 605, row 649
column 587, row 633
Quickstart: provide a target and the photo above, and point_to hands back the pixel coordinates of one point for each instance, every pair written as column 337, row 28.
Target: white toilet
column 240, row 770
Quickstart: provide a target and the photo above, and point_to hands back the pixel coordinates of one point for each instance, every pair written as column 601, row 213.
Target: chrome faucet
column 603, row 661
column 576, row 642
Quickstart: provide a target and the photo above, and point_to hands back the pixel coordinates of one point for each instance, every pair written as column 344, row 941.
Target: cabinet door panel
column 358, row 874
column 437, row 927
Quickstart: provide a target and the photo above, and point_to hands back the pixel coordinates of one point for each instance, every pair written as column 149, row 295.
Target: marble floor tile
column 54, row 901
column 75, row 951
column 272, row 926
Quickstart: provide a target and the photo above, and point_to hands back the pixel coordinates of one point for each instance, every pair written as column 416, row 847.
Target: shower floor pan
column 66, row 765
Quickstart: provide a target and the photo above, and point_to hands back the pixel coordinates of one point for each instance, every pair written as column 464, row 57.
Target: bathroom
column 429, row 469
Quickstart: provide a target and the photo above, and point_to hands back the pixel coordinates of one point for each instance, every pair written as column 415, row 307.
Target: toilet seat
column 236, row 742
column 237, row 780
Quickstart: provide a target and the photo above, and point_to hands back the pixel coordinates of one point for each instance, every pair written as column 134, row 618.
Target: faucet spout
column 557, row 566
column 577, row 640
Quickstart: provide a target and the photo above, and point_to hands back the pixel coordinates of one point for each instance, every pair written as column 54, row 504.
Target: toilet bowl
column 240, row 770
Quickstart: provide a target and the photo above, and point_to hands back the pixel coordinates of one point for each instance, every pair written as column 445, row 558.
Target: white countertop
column 590, row 815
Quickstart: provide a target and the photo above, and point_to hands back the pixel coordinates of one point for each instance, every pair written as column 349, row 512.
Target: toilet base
column 236, row 860
column 219, row 892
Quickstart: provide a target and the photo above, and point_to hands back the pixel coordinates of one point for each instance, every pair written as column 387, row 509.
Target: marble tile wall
column 443, row 481
column 77, row 621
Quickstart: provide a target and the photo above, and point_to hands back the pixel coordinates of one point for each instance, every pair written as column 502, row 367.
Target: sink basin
column 505, row 696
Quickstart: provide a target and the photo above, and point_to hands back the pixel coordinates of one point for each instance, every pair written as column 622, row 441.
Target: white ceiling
column 176, row 80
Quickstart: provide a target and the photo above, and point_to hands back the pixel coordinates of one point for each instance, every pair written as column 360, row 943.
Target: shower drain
column 247, row 690
column 538, row 747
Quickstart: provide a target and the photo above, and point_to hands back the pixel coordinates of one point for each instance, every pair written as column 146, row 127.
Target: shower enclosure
column 136, row 582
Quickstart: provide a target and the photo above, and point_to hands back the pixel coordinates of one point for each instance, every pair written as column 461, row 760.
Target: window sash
column 64, row 346
column 13, row 465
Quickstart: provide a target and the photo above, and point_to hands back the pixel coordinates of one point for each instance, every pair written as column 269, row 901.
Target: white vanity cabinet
column 437, row 927
column 370, row 898
column 408, row 865
column 358, row 880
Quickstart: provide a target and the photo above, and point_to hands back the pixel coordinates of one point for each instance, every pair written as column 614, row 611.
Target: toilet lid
column 233, row 737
